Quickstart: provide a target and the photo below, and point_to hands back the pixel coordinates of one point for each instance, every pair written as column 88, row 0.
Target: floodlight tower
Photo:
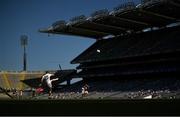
column 24, row 40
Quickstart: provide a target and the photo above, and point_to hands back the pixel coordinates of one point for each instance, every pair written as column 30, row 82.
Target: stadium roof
column 122, row 20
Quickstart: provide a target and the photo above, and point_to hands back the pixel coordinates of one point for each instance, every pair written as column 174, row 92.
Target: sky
column 26, row 17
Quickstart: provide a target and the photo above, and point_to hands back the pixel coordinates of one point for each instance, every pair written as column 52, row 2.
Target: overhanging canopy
column 158, row 14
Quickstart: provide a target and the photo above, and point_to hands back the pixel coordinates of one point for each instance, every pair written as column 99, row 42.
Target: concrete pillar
column 69, row 82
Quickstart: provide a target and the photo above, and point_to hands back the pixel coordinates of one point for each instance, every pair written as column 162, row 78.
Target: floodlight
column 147, row 2
column 59, row 24
column 78, row 18
column 125, row 6
column 23, row 40
column 100, row 13
column 24, row 43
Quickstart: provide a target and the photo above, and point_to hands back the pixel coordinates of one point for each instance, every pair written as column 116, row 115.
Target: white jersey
column 47, row 77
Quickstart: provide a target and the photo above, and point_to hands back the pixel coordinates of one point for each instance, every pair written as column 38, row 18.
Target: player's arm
column 55, row 79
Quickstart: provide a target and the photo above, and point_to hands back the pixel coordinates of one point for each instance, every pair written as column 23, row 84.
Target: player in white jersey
column 46, row 80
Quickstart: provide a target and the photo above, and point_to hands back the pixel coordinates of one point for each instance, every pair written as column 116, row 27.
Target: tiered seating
column 135, row 45
column 164, row 87
column 143, row 43
column 150, row 52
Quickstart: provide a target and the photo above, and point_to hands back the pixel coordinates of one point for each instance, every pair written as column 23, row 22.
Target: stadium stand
column 14, row 80
column 125, row 89
column 148, row 43
column 140, row 58
column 30, row 79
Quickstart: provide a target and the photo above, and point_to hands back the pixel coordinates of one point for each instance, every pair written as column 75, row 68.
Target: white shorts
column 49, row 84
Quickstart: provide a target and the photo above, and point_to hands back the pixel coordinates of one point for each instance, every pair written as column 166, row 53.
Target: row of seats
column 133, row 70
column 148, row 43
column 122, row 89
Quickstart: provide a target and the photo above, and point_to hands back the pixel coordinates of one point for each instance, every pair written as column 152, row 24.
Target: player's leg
column 50, row 88
column 50, row 91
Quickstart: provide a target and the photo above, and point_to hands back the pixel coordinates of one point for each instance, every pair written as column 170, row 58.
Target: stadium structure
column 135, row 56
column 136, row 53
